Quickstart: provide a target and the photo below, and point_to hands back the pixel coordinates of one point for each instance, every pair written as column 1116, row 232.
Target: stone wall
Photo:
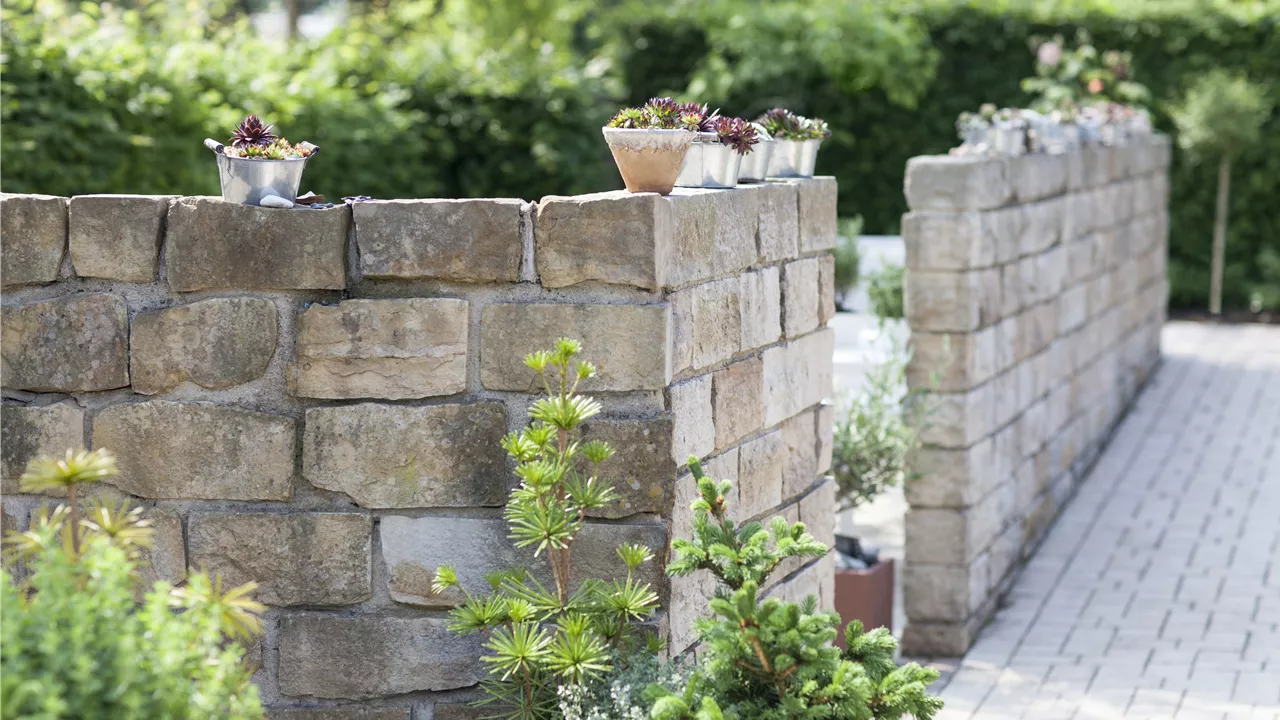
column 1035, row 292
column 313, row 399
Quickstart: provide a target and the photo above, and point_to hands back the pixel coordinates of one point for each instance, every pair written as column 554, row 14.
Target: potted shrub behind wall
column 255, row 165
column 649, row 143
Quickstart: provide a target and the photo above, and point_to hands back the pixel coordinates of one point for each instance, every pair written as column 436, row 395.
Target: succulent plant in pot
column 649, row 142
column 258, row 168
column 715, row 157
column 755, row 163
column 797, row 139
column 1008, row 134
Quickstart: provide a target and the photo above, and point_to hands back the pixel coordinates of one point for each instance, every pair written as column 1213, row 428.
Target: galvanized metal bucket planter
column 1008, row 138
column 248, row 180
column 649, row 160
column 794, row 158
column 709, row 163
column 754, row 166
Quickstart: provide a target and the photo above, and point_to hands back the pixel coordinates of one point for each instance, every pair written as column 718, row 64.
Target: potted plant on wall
column 649, row 143
column 797, row 141
column 715, row 156
column 258, row 168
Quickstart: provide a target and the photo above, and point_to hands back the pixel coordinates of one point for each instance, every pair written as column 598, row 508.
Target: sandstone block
column 817, row 512
column 198, row 451
column 952, row 478
column 826, row 418
column 714, row 233
column 1037, row 175
column 342, row 713
column 116, row 236
column 1044, row 226
column 760, row 308
column 395, row 456
column 800, row 297
column 33, row 236
column 612, row 237
column 631, row 345
column 951, row 183
column 393, row 349
column 738, row 401
column 466, row 240
column 693, row 419
column 936, row 592
column 817, row 213
column 414, row 548
column 953, row 362
column 961, row 419
column 216, row 245
column 166, row 559
column 804, row 451
column 939, row 639
column 217, row 343
column 717, row 322
column 797, row 375
column 943, row 301
column 952, row 241
column 366, row 656
column 28, row 432
column 1036, row 328
column 760, row 465
column 1002, row 230
column 641, row 470
column 296, row 558
column 78, row 343
column 1073, row 307
column 779, row 228
column 826, row 288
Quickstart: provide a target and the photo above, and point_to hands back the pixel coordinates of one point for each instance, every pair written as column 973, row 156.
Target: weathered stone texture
column 216, row 245
column 760, row 308
column 641, row 470
column 800, row 296
column 629, row 344
column 33, row 236
column 166, row 559
column 613, row 237
column 29, row 432
column 198, row 451
column 691, row 409
column 717, row 322
column 414, row 548
column 296, row 558
column 116, row 236
column 392, row 349
column 342, row 713
column 760, row 465
column 714, row 233
column 467, row 240
column 817, row 213
column 78, row 343
column 779, row 229
column 217, row 343
column 797, row 375
column 356, row 657
column 952, row 183
column 389, row 456
column 738, row 401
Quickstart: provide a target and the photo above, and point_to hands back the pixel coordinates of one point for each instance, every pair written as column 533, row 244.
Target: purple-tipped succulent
column 736, row 133
column 664, row 113
column 786, row 125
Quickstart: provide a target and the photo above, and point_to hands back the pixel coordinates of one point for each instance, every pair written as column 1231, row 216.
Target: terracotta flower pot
column 865, row 595
column 649, row 160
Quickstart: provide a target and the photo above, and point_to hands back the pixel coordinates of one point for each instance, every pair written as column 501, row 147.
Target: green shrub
column 76, row 644
column 884, row 292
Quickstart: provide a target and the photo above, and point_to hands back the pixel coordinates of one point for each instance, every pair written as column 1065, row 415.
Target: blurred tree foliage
column 422, row 98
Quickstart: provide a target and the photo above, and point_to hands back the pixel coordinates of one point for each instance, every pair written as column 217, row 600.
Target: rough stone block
column 1036, row 328
column 414, row 548
column 797, row 375
column 296, row 558
column 33, row 236
column 631, row 345
column 717, row 322
column 612, row 237
column 961, row 419
column 392, row 349
column 826, row 418
column 943, row 301
column 457, row 711
column 396, row 456
column 1073, row 308
column 803, row 458
column 800, row 297
column 938, row 639
column 216, row 245
column 714, row 233
column 78, row 343
column 951, row 183
column 1044, row 226
column 935, row 592
column 198, row 451
column 367, row 656
column 760, row 307
column 826, row 288
column 817, row 512
column 779, row 229
column 952, row 478
column 642, row 471
column 817, row 213
column 693, row 417
column 26, row 433
column 1037, row 175
column 738, row 401
column 166, row 559
column 216, row 343
column 342, row 713
column 952, row 241
column 1002, row 230
column 953, row 362
column 465, row 240
column 116, row 236
column 760, row 465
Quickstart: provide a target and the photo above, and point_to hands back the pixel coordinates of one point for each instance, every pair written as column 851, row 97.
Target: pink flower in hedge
column 1095, row 86
column 1049, row 53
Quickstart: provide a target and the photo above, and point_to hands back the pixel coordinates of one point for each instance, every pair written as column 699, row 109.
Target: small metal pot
column 248, row 180
column 755, row 164
column 709, row 164
column 1008, row 139
column 794, row 158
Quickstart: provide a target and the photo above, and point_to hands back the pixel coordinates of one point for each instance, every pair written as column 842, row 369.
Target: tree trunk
column 1220, row 236
column 291, row 6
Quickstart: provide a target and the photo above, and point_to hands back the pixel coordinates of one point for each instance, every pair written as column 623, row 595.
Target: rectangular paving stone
column 466, row 240
column 28, row 432
column 629, row 344
column 612, row 237
column 395, row 456
column 116, row 236
column 386, row 349
column 215, row 245
column 197, row 451
column 33, row 237
column 314, row 558
column 78, row 343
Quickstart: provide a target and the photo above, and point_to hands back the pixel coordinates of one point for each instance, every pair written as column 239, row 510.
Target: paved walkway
column 1157, row 593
